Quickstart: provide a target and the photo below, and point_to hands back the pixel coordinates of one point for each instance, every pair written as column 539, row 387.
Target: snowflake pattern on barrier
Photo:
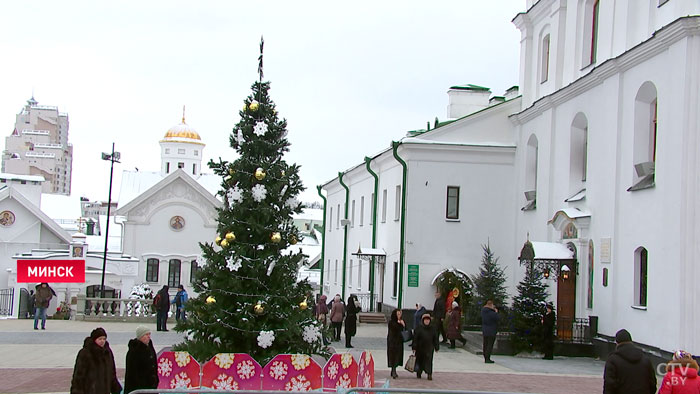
column 333, row 370
column 278, row 371
column 165, row 367
column 265, row 339
column 234, row 195
column 225, row 382
column 311, row 334
column 300, row 361
column 234, row 263
column 367, row 380
column 246, row 369
column 344, row 381
column 181, row 381
column 346, row 360
column 260, row 129
column 298, row 383
column 368, row 357
column 259, row 192
column 224, row 360
column 182, row 359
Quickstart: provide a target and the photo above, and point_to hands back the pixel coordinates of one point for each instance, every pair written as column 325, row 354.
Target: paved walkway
column 42, row 361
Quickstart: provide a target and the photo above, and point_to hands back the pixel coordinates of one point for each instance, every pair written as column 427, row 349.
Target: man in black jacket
column 439, row 315
column 489, row 328
column 628, row 370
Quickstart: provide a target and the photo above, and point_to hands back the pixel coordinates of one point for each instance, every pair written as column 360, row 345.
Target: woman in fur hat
column 425, row 342
column 681, row 375
column 95, row 372
column 141, row 363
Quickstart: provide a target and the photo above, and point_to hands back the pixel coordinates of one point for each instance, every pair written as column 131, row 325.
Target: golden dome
column 182, row 130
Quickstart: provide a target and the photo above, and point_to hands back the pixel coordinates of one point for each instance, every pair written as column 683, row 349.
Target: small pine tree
column 249, row 300
column 527, row 311
column 489, row 284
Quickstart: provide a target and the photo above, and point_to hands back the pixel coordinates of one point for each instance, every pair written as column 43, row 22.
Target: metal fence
column 575, row 330
column 379, row 390
column 7, row 298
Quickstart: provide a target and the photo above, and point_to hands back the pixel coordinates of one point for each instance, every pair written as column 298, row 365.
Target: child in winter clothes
column 681, row 375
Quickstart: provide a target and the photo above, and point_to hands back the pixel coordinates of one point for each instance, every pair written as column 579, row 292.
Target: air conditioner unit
column 644, row 169
column 345, row 222
column 530, row 195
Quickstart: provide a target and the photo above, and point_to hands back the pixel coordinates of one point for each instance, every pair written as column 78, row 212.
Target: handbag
column 407, row 335
column 411, row 363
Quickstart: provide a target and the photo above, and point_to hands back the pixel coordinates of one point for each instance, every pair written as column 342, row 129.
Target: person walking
column 454, row 328
column 420, row 311
column 42, row 297
column 394, row 342
column 548, row 332
column 681, row 375
column 162, row 304
column 352, row 309
column 180, row 300
column 337, row 315
column 425, row 342
column 141, row 363
column 439, row 315
column 95, row 371
column 628, row 370
column 489, row 328
column 321, row 310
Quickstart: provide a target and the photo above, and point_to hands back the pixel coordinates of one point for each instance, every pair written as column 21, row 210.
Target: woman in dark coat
column 425, row 341
column 162, row 303
column 394, row 342
column 454, row 329
column 141, row 363
column 351, row 311
column 548, row 332
column 95, row 372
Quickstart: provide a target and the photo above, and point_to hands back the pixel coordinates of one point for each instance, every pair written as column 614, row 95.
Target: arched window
column 640, row 276
column 645, row 137
column 578, row 155
column 174, row 273
column 544, row 59
column 531, row 174
column 152, row 270
column 194, row 267
column 590, row 32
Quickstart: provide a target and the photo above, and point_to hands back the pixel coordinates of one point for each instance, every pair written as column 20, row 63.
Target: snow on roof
column 315, row 214
column 418, row 140
column 134, row 183
column 97, row 242
column 58, row 206
column 552, row 251
column 18, row 177
column 575, row 213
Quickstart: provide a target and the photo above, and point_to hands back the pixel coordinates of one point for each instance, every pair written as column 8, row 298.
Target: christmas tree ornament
column 234, row 195
column 201, row 261
column 265, row 339
column 231, row 171
column 217, row 240
column 293, row 240
column 271, row 267
column 224, row 243
column 228, row 178
column 259, row 309
column 283, row 173
column 211, row 300
column 303, row 305
column 230, row 237
column 254, row 105
column 259, row 192
column 233, row 264
column 260, row 129
column 275, row 237
column 244, row 107
column 311, row 334
column 260, row 174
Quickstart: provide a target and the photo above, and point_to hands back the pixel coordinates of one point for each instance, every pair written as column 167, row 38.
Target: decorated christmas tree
column 489, row 284
column 528, row 307
column 249, row 300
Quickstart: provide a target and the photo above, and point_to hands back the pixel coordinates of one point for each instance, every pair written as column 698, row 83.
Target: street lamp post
column 113, row 157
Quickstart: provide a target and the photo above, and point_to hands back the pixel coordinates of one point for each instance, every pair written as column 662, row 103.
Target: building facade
column 38, row 145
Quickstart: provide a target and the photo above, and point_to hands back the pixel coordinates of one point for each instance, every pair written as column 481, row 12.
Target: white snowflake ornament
column 259, row 192
column 234, row 195
column 239, row 137
column 201, row 261
column 292, row 203
column 270, row 268
column 311, row 334
column 265, row 339
column 233, row 263
column 260, row 129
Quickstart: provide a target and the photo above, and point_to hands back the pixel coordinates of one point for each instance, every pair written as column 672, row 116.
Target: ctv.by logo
column 56, row 271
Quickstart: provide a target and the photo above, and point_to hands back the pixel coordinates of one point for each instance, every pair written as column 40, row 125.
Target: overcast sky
column 349, row 77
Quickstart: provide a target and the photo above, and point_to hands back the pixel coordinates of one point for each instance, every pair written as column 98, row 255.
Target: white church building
column 595, row 162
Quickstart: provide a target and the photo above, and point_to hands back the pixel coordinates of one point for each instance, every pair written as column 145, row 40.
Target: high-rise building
column 39, row 145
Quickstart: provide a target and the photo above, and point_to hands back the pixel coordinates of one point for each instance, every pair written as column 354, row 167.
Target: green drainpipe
column 374, row 233
column 395, row 147
column 345, row 230
column 323, row 236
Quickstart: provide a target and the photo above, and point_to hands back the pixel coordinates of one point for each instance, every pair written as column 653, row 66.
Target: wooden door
column 566, row 302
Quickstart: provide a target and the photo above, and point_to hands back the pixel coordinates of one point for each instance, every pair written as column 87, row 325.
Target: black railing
column 7, row 298
column 573, row 330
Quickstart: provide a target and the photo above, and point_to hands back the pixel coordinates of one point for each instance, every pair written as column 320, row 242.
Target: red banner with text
column 56, row 271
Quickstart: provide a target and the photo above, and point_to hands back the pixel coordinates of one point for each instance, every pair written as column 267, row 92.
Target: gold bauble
column 259, row 309
column 293, row 240
column 211, row 300
column 254, row 105
column 224, row 243
column 283, row 173
column 303, row 305
column 275, row 237
column 230, row 237
column 259, row 174
column 217, row 240
column 231, row 171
